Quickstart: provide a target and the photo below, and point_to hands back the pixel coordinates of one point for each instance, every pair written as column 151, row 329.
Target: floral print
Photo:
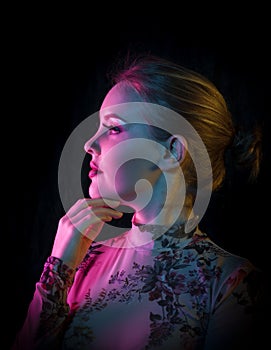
column 179, row 286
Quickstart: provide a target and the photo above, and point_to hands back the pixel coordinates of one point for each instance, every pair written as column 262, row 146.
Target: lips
column 94, row 170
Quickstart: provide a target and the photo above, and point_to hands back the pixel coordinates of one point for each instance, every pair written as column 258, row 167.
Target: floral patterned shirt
column 167, row 294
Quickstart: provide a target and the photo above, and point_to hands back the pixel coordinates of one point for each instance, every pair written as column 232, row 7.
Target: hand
column 80, row 226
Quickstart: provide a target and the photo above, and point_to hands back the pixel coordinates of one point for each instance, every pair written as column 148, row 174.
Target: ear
column 176, row 149
column 177, row 145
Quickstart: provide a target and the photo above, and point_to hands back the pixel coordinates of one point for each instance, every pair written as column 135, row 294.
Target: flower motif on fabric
column 55, row 279
column 178, row 282
column 81, row 324
column 171, row 281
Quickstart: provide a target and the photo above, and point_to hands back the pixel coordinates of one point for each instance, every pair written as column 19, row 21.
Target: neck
column 166, row 207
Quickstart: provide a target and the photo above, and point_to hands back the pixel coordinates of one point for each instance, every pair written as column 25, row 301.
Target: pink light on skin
column 127, row 175
column 123, row 136
column 134, row 185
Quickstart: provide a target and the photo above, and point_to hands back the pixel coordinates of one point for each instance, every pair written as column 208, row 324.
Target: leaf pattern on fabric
column 177, row 285
column 165, row 282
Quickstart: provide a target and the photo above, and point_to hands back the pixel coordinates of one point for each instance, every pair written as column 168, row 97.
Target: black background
column 56, row 77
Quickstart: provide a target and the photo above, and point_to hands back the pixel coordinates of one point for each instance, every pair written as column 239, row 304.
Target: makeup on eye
column 113, row 129
column 113, row 123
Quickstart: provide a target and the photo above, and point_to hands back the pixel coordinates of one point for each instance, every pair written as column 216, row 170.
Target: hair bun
column 246, row 150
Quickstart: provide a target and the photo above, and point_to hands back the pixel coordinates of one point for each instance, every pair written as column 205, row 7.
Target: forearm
column 48, row 309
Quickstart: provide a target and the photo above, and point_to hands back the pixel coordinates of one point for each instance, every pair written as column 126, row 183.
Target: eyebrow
column 107, row 117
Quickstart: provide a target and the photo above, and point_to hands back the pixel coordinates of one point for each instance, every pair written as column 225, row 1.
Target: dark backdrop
column 59, row 78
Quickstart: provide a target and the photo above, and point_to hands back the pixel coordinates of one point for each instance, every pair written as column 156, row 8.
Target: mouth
column 94, row 170
column 92, row 173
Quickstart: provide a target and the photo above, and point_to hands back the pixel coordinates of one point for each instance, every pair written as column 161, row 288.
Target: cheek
column 116, row 170
column 129, row 163
column 114, row 155
column 114, row 160
column 127, row 181
column 125, row 163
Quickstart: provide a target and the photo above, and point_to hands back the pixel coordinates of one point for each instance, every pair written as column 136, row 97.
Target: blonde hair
column 198, row 100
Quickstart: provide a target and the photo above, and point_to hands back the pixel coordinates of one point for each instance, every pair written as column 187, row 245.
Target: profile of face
column 121, row 147
column 138, row 157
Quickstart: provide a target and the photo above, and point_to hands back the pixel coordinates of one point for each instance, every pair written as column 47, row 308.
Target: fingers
column 89, row 215
column 94, row 203
column 85, row 219
column 94, row 214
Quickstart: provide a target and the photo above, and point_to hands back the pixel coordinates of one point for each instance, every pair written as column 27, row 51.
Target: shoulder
column 227, row 268
column 235, row 276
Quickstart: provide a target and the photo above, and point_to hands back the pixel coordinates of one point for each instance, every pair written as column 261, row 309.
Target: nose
column 92, row 146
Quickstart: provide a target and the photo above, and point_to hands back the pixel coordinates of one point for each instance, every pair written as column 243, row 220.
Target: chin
column 120, row 194
column 93, row 192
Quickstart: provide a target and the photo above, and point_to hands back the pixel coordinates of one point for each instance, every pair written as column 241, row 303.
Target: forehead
column 124, row 102
column 120, row 93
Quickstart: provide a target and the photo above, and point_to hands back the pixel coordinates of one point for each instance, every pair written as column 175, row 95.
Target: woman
column 160, row 150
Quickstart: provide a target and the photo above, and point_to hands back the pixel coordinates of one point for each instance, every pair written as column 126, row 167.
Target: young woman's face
column 116, row 149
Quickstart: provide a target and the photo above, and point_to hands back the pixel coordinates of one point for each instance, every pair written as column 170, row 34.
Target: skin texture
column 85, row 219
column 79, row 227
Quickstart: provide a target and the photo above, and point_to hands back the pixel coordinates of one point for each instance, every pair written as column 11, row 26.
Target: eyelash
column 114, row 130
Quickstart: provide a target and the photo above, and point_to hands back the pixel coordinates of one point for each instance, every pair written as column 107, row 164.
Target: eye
column 114, row 130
